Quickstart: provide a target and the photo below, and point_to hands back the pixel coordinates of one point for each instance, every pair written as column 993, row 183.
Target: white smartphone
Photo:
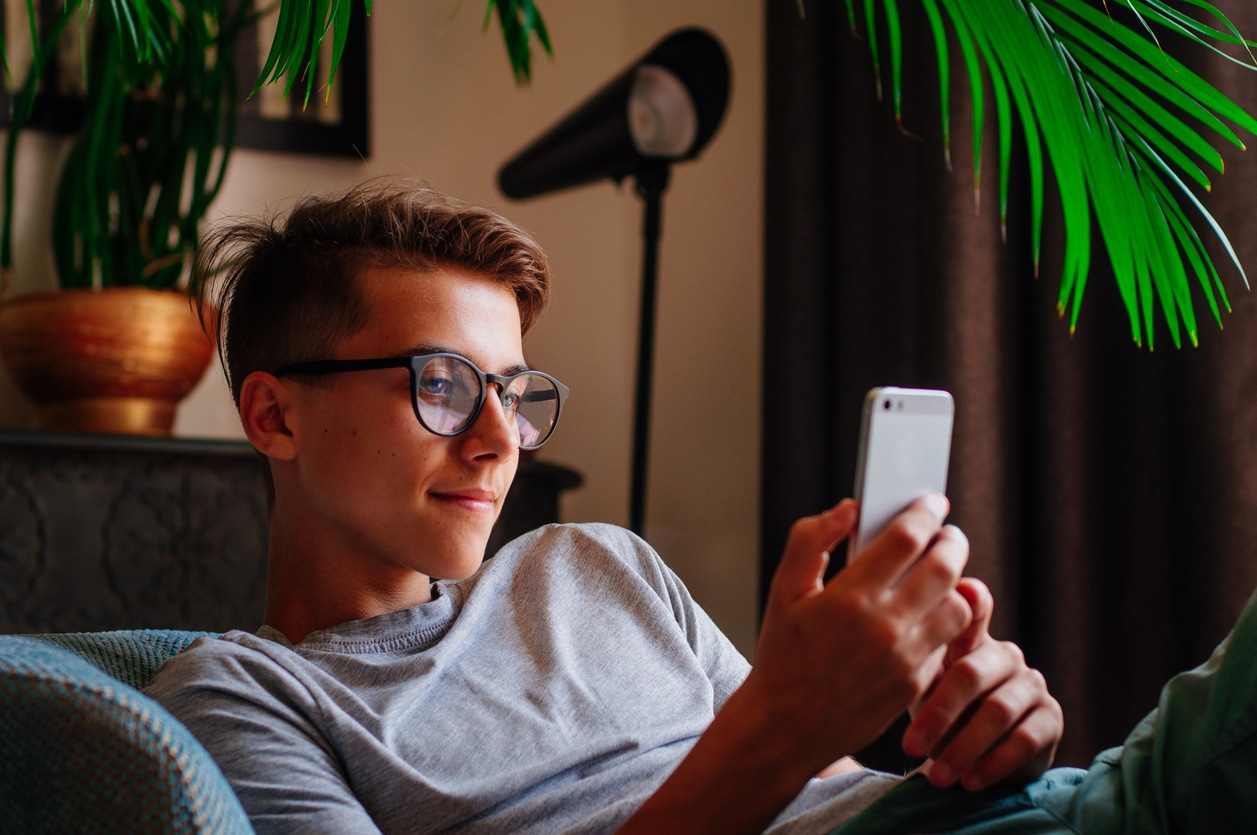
column 905, row 447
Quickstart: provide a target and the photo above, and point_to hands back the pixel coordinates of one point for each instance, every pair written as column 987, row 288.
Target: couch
column 83, row 750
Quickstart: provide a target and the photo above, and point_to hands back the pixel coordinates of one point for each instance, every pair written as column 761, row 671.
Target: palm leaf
column 1125, row 127
column 939, row 33
column 303, row 26
column 520, row 21
column 300, row 30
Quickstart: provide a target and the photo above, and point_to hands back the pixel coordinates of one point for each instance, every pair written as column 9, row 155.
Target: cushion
column 132, row 655
column 82, row 751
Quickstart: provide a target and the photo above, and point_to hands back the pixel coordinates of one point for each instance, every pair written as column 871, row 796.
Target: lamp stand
column 651, row 182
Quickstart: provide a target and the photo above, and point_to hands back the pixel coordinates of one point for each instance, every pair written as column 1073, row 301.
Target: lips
column 471, row 498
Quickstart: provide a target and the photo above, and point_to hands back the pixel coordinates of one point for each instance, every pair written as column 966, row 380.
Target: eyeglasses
column 448, row 392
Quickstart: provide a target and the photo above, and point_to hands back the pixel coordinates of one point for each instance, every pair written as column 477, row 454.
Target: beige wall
column 444, row 108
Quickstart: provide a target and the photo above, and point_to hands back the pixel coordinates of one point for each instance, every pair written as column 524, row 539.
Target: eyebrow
column 430, row 348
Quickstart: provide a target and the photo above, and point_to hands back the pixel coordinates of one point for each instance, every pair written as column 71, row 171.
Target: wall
column 445, row 108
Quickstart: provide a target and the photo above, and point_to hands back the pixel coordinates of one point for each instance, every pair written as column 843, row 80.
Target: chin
column 460, row 547
column 465, row 562
column 461, row 571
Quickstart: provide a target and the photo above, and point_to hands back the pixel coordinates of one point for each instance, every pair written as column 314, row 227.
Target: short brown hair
column 280, row 291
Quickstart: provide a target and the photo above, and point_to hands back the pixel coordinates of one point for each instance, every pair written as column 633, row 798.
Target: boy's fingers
column 802, row 567
column 982, row 604
column 930, row 582
column 1023, row 755
column 990, row 718
column 1013, row 732
column 902, row 543
column 949, row 707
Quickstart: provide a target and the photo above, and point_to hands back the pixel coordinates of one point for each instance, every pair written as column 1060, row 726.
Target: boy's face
column 383, row 495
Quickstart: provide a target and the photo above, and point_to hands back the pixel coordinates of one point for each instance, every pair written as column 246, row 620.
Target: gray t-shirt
column 553, row 691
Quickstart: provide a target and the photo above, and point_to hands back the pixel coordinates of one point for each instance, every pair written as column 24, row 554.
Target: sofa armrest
column 80, row 750
column 131, row 655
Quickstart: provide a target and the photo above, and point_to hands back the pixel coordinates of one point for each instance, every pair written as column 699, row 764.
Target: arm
column 835, row 664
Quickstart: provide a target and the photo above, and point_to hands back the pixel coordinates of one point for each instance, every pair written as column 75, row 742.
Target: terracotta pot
column 115, row 360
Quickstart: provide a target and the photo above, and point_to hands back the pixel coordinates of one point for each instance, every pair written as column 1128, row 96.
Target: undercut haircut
column 287, row 289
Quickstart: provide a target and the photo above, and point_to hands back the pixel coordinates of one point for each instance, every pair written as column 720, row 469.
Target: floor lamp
column 662, row 109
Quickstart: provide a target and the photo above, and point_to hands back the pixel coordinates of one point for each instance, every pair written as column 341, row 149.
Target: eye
column 510, row 402
column 437, row 387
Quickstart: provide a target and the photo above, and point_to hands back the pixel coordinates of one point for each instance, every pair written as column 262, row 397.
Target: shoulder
column 605, row 578
column 232, row 665
column 602, row 566
column 585, row 540
column 585, row 550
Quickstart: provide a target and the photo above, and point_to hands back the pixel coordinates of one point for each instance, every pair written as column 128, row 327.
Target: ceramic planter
column 116, row 360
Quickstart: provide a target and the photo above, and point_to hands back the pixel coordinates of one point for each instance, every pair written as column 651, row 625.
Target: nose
column 494, row 432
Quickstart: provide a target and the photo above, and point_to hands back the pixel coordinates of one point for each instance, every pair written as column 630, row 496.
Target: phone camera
column 886, row 406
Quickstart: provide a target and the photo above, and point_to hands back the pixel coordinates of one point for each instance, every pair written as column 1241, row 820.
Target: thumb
column 982, row 605
column 802, row 568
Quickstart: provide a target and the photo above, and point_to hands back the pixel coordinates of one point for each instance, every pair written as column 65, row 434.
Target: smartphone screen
column 905, row 446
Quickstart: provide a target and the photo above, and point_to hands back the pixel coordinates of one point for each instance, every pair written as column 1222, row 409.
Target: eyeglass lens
column 448, row 390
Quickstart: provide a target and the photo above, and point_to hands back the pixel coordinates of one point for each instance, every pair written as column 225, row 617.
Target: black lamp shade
column 676, row 93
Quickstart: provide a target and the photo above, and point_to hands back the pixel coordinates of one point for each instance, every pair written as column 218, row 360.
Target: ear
column 264, row 413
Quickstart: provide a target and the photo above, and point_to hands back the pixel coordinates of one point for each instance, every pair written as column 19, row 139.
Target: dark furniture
column 114, row 532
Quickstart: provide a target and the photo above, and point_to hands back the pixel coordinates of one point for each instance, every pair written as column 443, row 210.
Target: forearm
column 740, row 774
column 835, row 663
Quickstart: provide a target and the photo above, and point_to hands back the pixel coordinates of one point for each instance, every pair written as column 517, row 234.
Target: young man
column 373, row 343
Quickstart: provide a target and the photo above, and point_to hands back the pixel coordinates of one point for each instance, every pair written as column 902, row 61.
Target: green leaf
column 894, row 39
column 1158, row 72
column 520, row 21
column 1121, row 125
column 870, row 23
column 978, row 99
column 1196, row 31
column 939, row 33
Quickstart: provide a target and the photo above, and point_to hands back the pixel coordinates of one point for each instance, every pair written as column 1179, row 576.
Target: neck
column 310, row 586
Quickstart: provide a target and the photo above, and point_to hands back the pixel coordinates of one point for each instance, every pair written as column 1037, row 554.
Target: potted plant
column 115, row 349
column 117, row 346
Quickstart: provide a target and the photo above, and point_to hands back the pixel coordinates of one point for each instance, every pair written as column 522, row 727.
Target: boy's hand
column 838, row 662
column 988, row 718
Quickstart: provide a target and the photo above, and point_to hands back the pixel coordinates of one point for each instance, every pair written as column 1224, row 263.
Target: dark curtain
column 1109, row 493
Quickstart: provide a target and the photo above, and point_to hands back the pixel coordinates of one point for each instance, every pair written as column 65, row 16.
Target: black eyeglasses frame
column 415, row 363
